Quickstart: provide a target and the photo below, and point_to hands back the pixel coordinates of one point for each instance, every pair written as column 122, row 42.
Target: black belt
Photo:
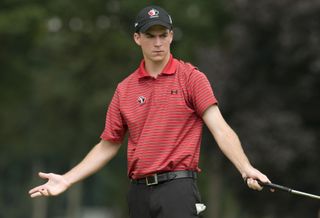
column 155, row 179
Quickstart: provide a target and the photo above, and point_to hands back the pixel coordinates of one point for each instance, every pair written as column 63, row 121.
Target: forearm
column 98, row 157
column 230, row 145
column 226, row 138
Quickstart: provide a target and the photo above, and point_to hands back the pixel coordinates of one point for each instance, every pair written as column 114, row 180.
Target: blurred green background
column 60, row 62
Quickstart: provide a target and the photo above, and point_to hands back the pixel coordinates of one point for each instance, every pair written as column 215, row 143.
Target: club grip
column 275, row 186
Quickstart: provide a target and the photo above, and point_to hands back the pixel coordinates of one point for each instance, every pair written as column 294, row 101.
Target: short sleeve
column 200, row 92
column 115, row 127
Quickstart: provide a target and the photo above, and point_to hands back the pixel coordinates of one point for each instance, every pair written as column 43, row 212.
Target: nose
column 158, row 41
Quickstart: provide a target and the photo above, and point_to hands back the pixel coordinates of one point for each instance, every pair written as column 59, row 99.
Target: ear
column 171, row 35
column 136, row 37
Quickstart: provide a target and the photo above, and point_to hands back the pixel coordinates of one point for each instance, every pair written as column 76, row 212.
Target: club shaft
column 305, row 194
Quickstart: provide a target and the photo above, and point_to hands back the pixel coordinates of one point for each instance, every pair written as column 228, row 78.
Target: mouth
column 157, row 52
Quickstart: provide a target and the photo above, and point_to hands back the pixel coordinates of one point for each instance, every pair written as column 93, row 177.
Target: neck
column 154, row 68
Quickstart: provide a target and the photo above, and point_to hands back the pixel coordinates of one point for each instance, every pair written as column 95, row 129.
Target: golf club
column 286, row 189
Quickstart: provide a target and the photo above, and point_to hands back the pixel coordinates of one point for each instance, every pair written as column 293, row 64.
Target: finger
column 36, row 194
column 266, row 184
column 36, row 189
column 44, row 192
column 40, row 191
column 256, row 185
column 253, row 184
column 263, row 178
column 49, row 193
column 44, row 175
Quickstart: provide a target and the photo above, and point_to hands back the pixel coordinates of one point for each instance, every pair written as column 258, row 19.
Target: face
column 155, row 43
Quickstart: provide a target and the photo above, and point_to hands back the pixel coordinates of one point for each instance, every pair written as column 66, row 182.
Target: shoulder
column 129, row 80
column 188, row 70
column 185, row 67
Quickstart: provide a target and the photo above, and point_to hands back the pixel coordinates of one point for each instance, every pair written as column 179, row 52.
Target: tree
column 265, row 73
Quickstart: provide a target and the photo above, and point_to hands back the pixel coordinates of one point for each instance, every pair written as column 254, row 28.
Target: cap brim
column 145, row 27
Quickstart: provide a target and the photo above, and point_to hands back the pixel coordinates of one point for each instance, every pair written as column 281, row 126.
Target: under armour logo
column 174, row 92
column 141, row 100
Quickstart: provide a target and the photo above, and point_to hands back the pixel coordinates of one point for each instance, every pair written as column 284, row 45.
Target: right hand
column 56, row 185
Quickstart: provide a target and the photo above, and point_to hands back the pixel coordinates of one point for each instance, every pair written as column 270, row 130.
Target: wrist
column 67, row 180
column 245, row 169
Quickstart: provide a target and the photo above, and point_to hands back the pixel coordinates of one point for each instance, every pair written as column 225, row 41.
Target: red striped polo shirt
column 162, row 116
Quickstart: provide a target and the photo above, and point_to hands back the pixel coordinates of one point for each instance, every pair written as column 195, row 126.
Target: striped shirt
column 162, row 116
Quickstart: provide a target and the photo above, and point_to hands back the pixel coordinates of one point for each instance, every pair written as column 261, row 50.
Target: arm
column 230, row 145
column 99, row 156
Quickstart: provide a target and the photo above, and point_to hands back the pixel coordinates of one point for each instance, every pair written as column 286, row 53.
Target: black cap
column 150, row 16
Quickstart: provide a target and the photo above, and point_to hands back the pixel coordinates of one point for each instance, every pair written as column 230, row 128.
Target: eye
column 164, row 35
column 149, row 35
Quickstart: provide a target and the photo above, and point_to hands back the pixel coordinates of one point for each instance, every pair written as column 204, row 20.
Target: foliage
column 267, row 77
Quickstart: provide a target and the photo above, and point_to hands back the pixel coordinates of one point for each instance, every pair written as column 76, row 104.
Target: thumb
column 44, row 175
column 263, row 178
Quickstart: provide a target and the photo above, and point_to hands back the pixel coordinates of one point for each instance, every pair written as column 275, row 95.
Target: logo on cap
column 153, row 13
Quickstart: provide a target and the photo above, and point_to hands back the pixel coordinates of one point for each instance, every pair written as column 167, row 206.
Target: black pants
column 171, row 199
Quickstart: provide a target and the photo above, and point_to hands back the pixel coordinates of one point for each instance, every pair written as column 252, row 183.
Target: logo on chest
column 174, row 92
column 141, row 100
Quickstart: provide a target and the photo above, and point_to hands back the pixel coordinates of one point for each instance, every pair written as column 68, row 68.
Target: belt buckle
column 152, row 180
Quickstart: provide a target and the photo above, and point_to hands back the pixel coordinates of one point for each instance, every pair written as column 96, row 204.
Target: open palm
column 55, row 185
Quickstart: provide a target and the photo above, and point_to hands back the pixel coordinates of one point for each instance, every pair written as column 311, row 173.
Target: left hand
column 251, row 175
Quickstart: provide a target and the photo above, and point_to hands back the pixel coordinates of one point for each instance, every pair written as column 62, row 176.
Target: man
column 162, row 105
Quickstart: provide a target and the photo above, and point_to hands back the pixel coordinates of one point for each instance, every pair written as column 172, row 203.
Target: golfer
column 162, row 106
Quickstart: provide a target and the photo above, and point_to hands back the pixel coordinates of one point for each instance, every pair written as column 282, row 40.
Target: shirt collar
column 169, row 69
